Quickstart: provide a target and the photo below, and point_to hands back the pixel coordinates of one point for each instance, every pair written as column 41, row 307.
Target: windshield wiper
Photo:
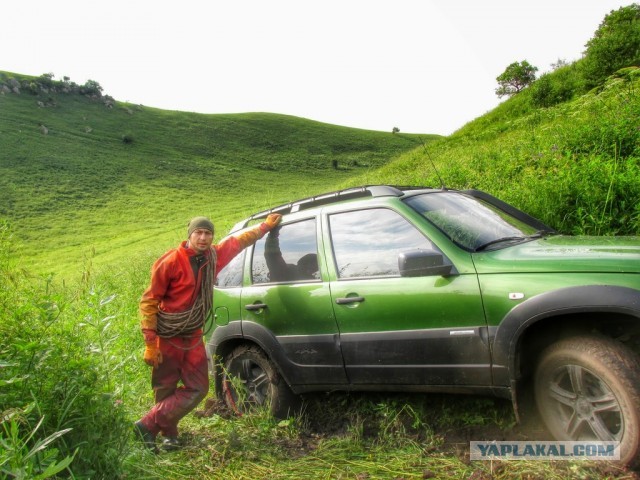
column 499, row 240
column 533, row 236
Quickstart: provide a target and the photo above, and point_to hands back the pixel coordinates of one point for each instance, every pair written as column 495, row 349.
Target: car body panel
column 564, row 254
column 413, row 330
column 301, row 318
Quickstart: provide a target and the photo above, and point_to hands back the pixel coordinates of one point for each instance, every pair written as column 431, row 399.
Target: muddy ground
column 454, row 420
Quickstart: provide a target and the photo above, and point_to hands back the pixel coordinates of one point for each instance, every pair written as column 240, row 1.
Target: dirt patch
column 214, row 406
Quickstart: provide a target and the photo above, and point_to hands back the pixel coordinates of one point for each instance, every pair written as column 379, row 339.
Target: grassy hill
column 91, row 182
column 85, row 185
column 82, row 179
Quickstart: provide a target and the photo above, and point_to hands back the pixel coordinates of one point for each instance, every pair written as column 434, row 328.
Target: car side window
column 366, row 243
column 287, row 253
column 231, row 274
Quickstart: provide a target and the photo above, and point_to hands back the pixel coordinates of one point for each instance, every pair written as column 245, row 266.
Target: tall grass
column 62, row 384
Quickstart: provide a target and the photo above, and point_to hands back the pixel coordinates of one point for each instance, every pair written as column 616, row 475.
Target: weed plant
column 60, row 400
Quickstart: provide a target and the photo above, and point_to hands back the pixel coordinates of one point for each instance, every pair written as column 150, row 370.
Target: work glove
column 152, row 355
column 273, row 220
column 252, row 235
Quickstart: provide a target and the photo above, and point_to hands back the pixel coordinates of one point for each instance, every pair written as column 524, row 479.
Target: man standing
column 174, row 309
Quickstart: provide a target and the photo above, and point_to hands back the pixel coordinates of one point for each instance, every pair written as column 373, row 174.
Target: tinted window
column 287, row 253
column 231, row 274
column 366, row 243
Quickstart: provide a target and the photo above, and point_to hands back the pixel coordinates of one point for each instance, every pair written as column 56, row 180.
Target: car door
column 288, row 298
column 418, row 330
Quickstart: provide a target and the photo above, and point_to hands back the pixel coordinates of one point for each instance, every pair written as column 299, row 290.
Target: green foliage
column 45, row 84
column 615, row 44
column 91, row 87
column 21, row 458
column 57, row 373
column 556, row 87
column 46, row 80
column 515, row 78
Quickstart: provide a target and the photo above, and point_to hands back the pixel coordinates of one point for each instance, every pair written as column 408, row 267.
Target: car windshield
column 471, row 223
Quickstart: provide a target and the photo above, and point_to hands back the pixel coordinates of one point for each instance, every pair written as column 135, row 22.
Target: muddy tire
column 588, row 388
column 250, row 380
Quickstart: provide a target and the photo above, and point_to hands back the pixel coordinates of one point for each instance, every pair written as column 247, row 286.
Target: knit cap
column 199, row 222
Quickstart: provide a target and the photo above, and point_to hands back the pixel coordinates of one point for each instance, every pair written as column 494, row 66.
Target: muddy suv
column 433, row 290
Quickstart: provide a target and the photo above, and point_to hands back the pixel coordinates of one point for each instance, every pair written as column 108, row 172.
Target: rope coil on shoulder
column 185, row 323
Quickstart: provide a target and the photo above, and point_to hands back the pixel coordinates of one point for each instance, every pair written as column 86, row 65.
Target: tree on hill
column 615, row 44
column 91, row 87
column 515, row 78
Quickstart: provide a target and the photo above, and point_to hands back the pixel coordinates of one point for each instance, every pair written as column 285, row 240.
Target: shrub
column 615, row 44
column 556, row 87
column 91, row 87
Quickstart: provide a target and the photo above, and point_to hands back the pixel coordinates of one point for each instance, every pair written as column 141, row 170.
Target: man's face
column 200, row 240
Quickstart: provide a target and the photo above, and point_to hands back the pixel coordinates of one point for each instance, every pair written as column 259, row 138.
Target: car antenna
column 442, row 185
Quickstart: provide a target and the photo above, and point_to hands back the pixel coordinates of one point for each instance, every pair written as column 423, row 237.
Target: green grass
column 84, row 214
column 81, row 191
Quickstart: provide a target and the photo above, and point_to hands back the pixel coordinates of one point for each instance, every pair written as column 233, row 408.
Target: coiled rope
column 186, row 322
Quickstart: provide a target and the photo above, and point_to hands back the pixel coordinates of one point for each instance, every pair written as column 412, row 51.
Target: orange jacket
column 173, row 285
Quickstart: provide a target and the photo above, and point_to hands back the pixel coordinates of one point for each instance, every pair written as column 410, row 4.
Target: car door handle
column 255, row 306
column 346, row 300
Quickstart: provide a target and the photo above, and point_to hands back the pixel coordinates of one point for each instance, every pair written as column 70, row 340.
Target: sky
column 422, row 66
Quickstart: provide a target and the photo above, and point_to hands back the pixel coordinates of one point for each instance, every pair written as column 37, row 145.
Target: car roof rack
column 328, row 198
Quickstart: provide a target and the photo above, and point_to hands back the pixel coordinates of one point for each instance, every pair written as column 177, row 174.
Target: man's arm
column 233, row 245
column 149, row 307
column 278, row 268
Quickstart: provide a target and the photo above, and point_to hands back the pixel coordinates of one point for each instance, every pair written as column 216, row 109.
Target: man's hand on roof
column 273, row 220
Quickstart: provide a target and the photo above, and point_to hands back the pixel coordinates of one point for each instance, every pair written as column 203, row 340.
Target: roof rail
column 327, row 198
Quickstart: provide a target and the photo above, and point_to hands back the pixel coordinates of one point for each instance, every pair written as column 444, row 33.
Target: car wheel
column 588, row 389
column 249, row 380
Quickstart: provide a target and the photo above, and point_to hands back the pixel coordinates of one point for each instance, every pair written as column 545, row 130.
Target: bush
column 91, row 87
column 615, row 44
column 556, row 87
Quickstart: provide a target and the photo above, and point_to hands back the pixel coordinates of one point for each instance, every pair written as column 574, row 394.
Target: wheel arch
column 225, row 339
column 535, row 323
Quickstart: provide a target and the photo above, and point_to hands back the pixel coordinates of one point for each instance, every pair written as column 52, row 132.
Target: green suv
column 433, row 290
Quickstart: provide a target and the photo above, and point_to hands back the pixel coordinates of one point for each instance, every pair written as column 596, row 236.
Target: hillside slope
column 84, row 180
column 575, row 165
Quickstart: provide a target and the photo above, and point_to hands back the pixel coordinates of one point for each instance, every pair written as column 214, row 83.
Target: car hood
column 564, row 254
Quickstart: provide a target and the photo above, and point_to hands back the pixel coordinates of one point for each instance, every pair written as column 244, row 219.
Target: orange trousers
column 179, row 383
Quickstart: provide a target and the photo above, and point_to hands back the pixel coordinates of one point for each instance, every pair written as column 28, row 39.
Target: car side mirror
column 422, row 263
